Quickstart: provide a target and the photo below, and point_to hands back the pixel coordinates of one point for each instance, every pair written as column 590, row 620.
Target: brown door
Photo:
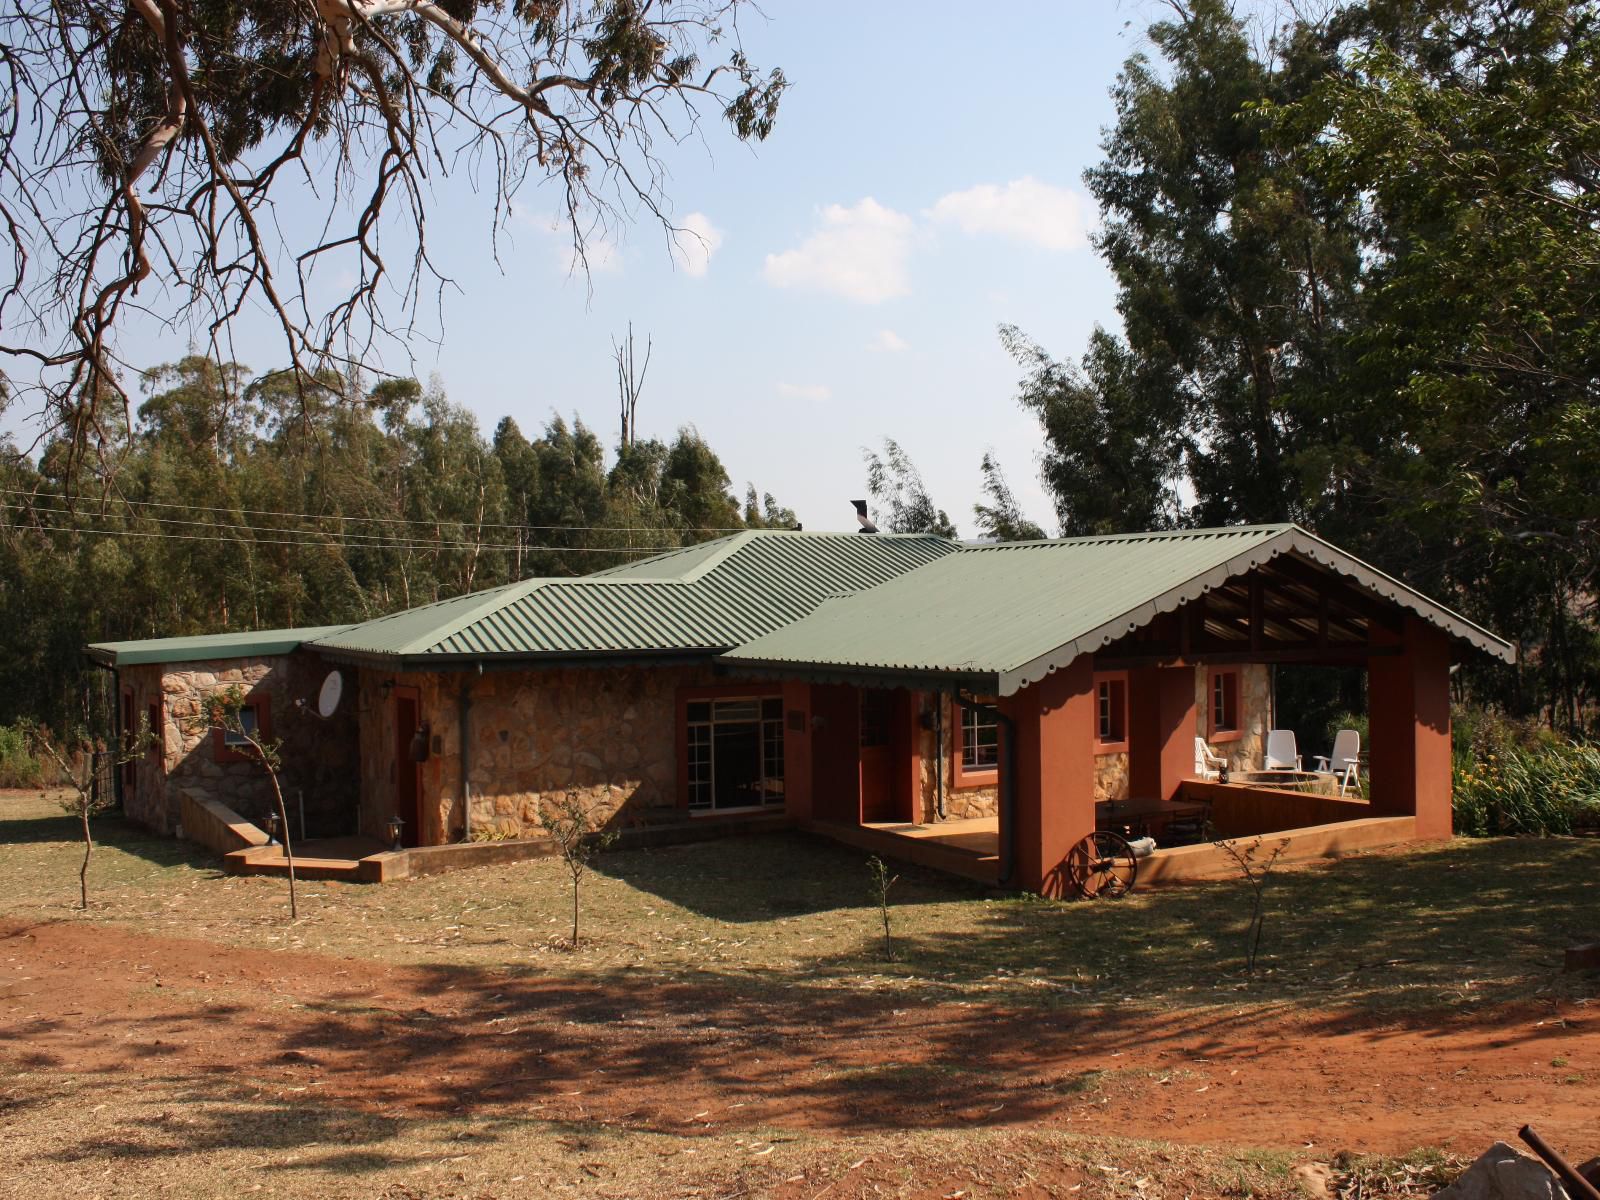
column 877, row 744
column 407, row 774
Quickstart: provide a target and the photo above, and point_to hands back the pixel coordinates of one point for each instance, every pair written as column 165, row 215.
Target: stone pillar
column 1053, row 786
column 1408, row 707
column 1161, row 725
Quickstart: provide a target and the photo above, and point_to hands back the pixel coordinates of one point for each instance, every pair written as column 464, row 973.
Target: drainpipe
column 1008, row 782
column 938, row 753
column 463, row 730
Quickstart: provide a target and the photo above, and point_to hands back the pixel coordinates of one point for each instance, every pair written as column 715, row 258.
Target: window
column 256, row 717
column 1223, row 704
column 155, row 750
column 980, row 740
column 250, row 721
column 1111, row 712
column 733, row 750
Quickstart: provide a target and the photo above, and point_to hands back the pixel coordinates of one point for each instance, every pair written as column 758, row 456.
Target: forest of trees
column 1358, row 270
column 230, row 505
column 1358, row 273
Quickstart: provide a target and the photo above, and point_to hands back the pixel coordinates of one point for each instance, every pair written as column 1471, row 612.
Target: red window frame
column 972, row 776
column 223, row 753
column 1222, row 692
column 1110, row 700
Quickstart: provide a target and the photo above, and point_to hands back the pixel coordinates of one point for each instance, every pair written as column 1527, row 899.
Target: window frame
column 1233, row 693
column 772, row 733
column 225, row 751
column 1115, row 685
column 974, row 776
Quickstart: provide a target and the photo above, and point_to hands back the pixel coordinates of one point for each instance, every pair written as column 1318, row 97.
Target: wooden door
column 877, row 756
column 407, row 772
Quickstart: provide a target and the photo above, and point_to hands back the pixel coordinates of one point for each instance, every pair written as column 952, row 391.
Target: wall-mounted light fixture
column 395, row 826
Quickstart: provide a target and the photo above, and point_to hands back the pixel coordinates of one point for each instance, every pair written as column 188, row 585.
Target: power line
column 333, row 545
column 370, row 540
column 263, row 512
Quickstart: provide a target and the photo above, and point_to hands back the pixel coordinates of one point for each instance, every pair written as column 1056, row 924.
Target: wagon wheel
column 1102, row 865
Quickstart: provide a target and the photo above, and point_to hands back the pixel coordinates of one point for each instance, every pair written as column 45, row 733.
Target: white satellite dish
column 328, row 697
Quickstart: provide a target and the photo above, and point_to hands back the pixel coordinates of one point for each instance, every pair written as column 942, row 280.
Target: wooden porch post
column 1408, row 706
column 1161, row 730
column 1053, row 787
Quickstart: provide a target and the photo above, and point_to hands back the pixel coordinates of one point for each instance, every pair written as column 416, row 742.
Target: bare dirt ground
column 405, row 1042
column 733, row 1025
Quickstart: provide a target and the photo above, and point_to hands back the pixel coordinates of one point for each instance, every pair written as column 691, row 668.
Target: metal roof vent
column 861, row 515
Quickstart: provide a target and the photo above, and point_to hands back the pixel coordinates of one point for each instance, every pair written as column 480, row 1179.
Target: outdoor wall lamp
column 272, row 829
column 395, row 826
column 386, row 687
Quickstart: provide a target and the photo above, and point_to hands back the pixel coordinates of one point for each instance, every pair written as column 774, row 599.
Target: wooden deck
column 969, row 848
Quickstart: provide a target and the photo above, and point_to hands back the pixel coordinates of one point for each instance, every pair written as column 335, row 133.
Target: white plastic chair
column 1282, row 753
column 1345, row 759
column 1208, row 763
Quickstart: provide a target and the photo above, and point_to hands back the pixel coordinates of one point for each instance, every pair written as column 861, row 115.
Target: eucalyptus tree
column 194, row 160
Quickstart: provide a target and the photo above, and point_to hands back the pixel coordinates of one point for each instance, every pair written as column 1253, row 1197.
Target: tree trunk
column 88, row 847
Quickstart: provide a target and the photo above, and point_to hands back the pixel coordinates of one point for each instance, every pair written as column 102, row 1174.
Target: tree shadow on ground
column 763, row 876
column 1465, row 925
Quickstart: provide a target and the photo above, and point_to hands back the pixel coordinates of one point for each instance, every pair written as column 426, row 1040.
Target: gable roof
column 699, row 600
column 1003, row 615
column 259, row 644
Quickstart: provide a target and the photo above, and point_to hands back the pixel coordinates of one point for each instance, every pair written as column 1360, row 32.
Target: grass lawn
column 1462, row 925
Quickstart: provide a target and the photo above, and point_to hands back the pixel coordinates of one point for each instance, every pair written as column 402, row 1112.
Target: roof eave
column 1293, row 539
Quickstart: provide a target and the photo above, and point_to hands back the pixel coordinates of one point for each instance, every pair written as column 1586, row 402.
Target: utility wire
column 263, row 512
column 334, row 545
column 369, row 540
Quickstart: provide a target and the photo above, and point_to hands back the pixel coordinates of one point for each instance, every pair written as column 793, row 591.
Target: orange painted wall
column 1054, row 790
column 1161, row 724
column 1408, row 706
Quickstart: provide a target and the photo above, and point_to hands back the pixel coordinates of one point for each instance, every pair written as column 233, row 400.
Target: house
column 866, row 686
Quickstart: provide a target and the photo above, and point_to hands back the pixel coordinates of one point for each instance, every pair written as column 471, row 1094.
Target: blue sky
column 923, row 185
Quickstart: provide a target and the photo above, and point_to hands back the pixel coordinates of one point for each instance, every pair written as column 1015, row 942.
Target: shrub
column 1530, row 787
column 19, row 766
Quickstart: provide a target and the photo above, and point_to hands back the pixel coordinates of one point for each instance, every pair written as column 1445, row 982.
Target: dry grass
column 1448, row 927
column 103, row 1137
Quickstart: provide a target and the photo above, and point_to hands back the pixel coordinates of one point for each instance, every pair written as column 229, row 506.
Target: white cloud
column 602, row 252
column 859, row 253
column 1025, row 209
column 814, row 392
column 694, row 242
column 889, row 342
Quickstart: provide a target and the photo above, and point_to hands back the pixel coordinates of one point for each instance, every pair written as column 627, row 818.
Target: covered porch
column 1059, row 673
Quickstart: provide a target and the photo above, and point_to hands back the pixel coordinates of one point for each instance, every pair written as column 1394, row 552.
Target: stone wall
column 608, row 733
column 319, row 759
column 973, row 800
column 1246, row 752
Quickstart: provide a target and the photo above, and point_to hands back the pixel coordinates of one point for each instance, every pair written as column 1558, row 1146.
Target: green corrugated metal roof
column 1006, row 614
column 702, row 599
column 259, row 644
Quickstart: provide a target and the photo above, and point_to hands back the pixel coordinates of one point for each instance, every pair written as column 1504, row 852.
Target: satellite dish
column 328, row 697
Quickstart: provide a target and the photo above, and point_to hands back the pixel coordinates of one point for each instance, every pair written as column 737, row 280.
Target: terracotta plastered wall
column 318, row 756
column 608, row 733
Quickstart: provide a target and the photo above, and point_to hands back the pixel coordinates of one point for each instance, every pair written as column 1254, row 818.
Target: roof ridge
column 1093, row 539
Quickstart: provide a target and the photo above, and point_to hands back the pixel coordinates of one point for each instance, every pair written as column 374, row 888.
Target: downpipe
column 464, row 731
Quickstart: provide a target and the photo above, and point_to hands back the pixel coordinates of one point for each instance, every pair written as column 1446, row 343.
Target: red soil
column 86, row 998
